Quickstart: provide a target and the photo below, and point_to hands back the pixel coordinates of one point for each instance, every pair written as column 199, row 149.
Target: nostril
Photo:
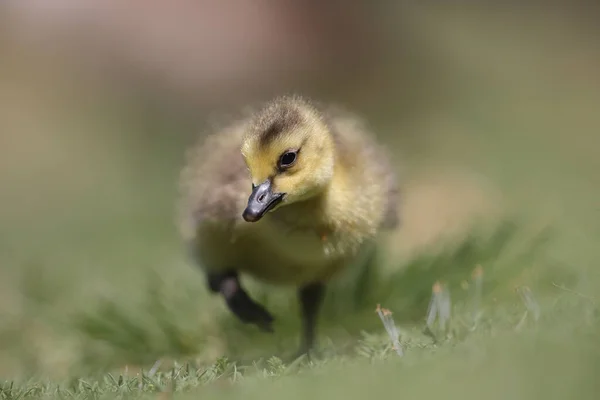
column 261, row 198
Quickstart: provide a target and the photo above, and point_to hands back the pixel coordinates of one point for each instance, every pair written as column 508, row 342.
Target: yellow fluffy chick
column 290, row 194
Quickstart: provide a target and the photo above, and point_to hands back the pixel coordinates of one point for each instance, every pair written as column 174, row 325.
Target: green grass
column 500, row 356
column 143, row 332
column 114, row 334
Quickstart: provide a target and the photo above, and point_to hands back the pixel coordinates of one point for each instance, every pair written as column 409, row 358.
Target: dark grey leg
column 238, row 300
column 311, row 298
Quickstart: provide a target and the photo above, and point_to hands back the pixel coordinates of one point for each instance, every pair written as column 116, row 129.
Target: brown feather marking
column 279, row 119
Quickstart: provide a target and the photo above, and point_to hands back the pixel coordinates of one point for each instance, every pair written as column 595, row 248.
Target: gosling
column 290, row 194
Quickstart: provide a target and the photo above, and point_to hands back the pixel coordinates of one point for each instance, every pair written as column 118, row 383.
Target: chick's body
column 336, row 196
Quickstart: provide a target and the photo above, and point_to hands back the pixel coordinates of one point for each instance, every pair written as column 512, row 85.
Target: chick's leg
column 311, row 298
column 238, row 300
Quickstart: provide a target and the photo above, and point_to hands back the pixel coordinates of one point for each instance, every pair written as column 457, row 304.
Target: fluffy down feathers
column 302, row 241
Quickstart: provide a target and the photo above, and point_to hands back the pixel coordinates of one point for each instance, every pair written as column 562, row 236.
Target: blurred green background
column 492, row 116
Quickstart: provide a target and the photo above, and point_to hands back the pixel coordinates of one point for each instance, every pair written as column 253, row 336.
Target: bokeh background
column 490, row 110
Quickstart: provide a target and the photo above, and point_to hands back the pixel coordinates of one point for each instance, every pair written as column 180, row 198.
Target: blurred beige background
column 487, row 108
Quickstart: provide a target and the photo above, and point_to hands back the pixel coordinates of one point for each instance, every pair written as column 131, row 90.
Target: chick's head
column 289, row 152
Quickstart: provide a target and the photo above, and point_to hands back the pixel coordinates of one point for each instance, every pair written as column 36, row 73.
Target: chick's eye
column 287, row 159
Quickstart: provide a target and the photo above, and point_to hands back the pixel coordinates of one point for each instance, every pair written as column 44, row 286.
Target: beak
column 261, row 200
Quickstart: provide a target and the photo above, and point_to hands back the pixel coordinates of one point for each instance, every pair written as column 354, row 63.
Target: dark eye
column 287, row 159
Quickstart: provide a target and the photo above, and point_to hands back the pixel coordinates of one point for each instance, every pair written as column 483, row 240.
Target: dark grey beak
column 261, row 200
